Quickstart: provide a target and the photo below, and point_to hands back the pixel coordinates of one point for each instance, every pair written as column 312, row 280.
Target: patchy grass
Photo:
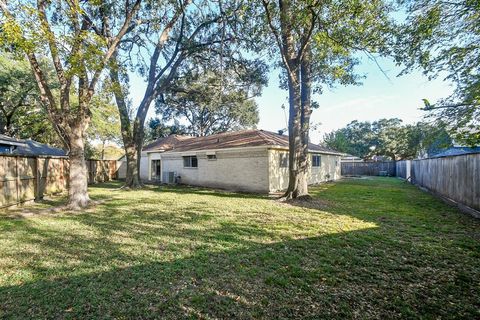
column 363, row 248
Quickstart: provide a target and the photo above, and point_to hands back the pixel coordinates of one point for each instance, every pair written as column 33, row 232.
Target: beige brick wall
column 278, row 176
column 245, row 170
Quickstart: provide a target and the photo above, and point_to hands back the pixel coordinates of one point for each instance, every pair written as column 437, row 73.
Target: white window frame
column 314, row 163
column 189, row 161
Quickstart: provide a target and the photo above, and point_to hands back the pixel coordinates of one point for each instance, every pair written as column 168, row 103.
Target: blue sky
column 377, row 98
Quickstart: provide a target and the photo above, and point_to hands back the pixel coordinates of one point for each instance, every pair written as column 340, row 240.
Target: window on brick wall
column 190, row 162
column 316, row 160
column 283, row 160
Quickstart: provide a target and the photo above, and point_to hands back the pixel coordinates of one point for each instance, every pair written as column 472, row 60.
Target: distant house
column 27, row 147
column 456, row 151
column 248, row 160
column 9, row 144
column 351, row 158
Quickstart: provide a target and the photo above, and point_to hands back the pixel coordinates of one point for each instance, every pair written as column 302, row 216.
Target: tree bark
column 77, row 177
column 293, row 61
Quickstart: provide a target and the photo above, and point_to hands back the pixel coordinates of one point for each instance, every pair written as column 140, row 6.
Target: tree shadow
column 170, row 262
column 321, row 277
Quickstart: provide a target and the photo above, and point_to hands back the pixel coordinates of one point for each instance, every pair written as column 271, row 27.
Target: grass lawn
column 365, row 248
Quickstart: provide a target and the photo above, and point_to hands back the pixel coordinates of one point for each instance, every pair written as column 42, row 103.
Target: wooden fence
column 368, row 168
column 456, row 177
column 30, row 178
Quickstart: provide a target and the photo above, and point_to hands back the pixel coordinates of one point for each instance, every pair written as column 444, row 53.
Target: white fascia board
column 155, row 151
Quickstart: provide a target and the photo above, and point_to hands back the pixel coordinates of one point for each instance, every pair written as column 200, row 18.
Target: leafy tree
column 172, row 32
column 21, row 114
column 65, row 32
column 105, row 123
column 441, row 38
column 215, row 97
column 356, row 138
column 317, row 43
column 157, row 128
column 388, row 137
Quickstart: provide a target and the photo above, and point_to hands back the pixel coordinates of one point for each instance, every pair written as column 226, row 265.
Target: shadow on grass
column 417, row 259
column 322, row 277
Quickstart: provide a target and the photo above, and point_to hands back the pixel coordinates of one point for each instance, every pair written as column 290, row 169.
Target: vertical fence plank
column 29, row 178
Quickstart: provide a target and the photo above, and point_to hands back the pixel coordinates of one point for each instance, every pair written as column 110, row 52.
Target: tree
column 357, row 139
column 172, row 33
column 66, row 32
column 21, row 114
column 316, row 42
column 156, row 128
column 389, row 138
column 441, row 38
column 17, row 92
column 105, row 123
column 213, row 97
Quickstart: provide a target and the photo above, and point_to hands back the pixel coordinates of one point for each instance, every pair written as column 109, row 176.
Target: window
column 283, row 160
column 190, row 162
column 316, row 160
column 211, row 156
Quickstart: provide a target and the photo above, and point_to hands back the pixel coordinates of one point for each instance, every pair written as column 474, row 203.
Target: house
column 248, row 160
column 456, row 151
column 9, row 144
column 27, row 147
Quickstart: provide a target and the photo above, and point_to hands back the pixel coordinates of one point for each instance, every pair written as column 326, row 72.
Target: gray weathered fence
column 456, row 178
column 368, row 168
column 24, row 179
column 403, row 169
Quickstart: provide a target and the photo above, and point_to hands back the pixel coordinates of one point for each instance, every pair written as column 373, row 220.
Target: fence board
column 368, row 168
column 30, row 178
column 456, row 177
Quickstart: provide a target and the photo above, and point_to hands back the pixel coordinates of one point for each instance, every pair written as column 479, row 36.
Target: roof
column 240, row 139
column 10, row 141
column 31, row 148
column 166, row 143
column 456, row 151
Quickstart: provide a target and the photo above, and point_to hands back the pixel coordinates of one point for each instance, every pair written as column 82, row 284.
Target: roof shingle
column 234, row 139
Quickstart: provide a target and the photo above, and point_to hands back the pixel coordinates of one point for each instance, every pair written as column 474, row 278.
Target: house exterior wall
column 144, row 166
column 278, row 176
column 243, row 170
column 121, row 169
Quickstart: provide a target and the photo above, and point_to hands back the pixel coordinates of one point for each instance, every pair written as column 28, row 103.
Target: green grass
column 365, row 248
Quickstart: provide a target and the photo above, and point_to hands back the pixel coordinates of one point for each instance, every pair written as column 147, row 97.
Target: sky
column 378, row 97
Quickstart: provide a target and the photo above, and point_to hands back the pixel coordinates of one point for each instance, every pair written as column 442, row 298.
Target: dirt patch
column 32, row 212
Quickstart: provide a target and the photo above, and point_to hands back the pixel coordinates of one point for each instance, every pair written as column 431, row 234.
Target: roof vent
column 280, row 132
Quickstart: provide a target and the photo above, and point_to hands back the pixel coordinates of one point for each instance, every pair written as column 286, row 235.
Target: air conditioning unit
column 169, row 177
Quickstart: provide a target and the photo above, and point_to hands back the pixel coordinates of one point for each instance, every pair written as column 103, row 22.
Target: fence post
column 37, row 177
column 17, row 179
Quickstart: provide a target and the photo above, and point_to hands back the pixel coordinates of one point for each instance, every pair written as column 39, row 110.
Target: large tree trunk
column 77, row 177
column 300, row 92
column 132, row 180
column 133, row 142
column 297, row 183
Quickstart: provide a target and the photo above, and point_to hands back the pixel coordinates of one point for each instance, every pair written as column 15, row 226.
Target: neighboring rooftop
column 31, row 148
column 10, row 141
column 167, row 143
column 234, row 139
column 456, row 151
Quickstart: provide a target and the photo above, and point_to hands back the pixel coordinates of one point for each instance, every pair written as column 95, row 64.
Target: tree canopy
column 212, row 97
column 389, row 138
column 21, row 114
column 442, row 39
column 316, row 44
